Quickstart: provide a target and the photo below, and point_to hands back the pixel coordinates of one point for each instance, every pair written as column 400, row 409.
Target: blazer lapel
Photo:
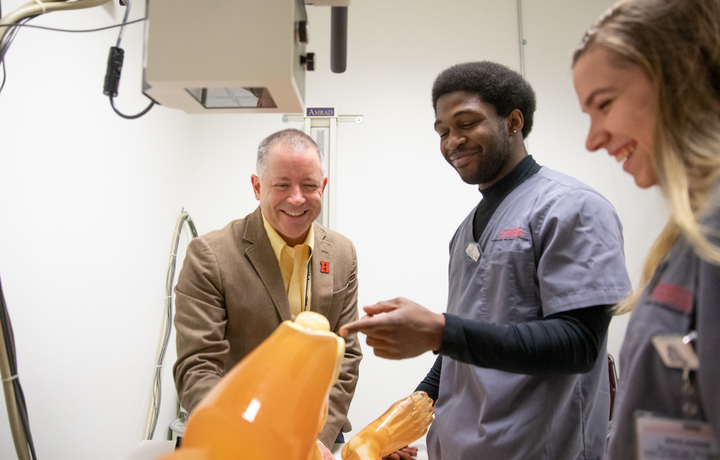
column 262, row 257
column 322, row 273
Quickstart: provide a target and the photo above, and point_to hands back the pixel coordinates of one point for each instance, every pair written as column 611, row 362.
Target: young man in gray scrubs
column 521, row 371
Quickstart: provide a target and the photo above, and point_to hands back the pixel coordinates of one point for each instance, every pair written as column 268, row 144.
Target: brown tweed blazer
column 230, row 296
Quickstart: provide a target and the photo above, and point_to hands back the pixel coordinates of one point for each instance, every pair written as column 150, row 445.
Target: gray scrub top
column 553, row 245
column 684, row 286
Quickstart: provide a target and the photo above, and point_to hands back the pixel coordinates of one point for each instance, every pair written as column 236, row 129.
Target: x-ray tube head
column 226, row 56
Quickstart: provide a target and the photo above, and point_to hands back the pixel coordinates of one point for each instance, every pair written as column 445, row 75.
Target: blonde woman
column 648, row 75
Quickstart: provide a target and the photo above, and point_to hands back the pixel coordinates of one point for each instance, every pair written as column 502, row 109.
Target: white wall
column 90, row 200
column 89, row 204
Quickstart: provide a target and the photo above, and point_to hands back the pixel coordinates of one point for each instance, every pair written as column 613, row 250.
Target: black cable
column 25, row 421
column 7, row 333
column 12, row 364
column 78, row 31
column 4, row 74
column 10, row 36
column 124, row 21
column 23, row 23
column 131, row 117
column 114, row 67
column 5, row 45
column 3, row 50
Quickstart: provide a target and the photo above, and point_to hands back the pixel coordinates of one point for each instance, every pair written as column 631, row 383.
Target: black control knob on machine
column 308, row 61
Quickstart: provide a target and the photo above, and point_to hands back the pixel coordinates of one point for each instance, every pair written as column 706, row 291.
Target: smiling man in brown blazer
column 239, row 283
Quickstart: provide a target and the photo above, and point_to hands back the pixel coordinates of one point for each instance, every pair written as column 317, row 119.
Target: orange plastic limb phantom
column 404, row 422
column 273, row 403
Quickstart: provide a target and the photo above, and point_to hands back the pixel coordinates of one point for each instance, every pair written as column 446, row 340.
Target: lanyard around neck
column 307, row 285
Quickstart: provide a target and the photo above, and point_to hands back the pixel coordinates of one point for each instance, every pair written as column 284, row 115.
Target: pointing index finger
column 364, row 325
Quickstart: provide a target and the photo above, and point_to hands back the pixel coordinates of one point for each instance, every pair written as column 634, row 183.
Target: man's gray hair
column 291, row 138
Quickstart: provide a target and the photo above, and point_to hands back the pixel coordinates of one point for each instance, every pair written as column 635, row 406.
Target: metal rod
column 338, row 39
column 521, row 43
column 521, row 40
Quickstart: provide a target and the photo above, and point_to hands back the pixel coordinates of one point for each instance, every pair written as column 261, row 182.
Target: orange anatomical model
column 273, row 403
column 404, row 422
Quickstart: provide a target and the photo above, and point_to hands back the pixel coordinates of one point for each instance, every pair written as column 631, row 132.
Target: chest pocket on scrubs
column 509, row 286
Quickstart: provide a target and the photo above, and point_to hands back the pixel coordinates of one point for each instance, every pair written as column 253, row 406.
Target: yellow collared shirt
column 294, row 267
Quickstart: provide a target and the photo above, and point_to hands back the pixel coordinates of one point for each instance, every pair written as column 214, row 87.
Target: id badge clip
column 473, row 251
column 676, row 351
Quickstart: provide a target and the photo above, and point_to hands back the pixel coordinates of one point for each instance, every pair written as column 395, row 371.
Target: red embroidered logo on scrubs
column 673, row 296
column 324, row 267
column 511, row 233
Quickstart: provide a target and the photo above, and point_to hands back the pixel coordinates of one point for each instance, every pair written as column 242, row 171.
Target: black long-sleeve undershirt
column 563, row 343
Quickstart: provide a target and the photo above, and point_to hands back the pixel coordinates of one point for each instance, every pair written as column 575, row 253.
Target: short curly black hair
column 496, row 84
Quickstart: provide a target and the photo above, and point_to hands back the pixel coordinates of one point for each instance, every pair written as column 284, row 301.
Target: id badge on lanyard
column 665, row 438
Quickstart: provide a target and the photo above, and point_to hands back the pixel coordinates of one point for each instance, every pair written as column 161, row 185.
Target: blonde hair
column 677, row 44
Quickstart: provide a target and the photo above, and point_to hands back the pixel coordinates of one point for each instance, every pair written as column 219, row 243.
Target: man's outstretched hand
column 399, row 328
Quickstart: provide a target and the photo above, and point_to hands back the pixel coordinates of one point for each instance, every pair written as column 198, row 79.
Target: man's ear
column 515, row 122
column 255, row 185
column 324, row 184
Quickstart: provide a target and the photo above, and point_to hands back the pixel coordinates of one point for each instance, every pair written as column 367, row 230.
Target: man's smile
column 294, row 214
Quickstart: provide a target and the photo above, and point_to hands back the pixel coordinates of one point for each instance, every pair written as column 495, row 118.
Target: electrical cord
column 114, row 68
column 13, row 29
column 124, row 21
column 32, row 9
column 14, row 396
column 76, row 31
column 2, row 85
column 131, row 117
column 10, row 27
column 7, row 40
column 167, row 322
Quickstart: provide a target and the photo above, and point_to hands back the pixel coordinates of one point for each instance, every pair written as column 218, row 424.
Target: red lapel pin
column 324, row 267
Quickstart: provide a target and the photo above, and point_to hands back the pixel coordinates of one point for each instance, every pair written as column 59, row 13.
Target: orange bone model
column 273, row 403
column 404, row 422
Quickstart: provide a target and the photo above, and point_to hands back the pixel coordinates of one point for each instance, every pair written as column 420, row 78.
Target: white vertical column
column 331, row 191
column 322, row 125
